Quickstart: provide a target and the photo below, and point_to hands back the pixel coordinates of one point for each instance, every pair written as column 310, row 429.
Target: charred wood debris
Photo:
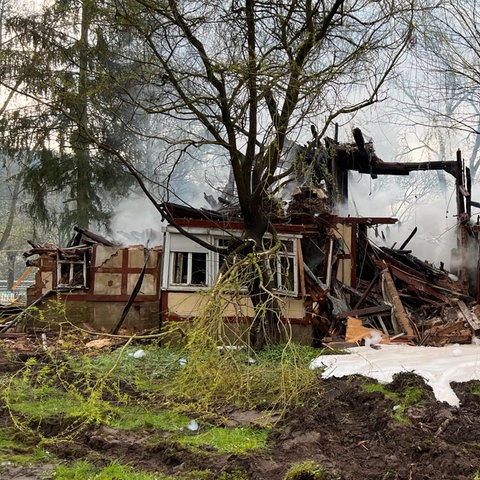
column 394, row 294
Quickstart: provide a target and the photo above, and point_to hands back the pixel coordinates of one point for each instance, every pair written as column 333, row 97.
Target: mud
column 350, row 431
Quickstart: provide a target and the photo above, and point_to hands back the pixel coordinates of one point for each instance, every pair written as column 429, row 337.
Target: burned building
column 336, row 285
column 98, row 280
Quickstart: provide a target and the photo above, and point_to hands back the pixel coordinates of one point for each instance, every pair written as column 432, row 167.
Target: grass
column 306, row 471
column 161, row 391
column 475, row 389
column 84, row 470
column 134, row 417
column 18, row 449
column 410, row 396
column 236, row 440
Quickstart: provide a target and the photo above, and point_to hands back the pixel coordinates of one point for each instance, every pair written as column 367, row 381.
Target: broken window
column 72, row 267
column 285, row 269
column 284, row 265
column 189, row 268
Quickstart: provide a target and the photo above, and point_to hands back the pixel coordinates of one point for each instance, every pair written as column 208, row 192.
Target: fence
column 15, row 278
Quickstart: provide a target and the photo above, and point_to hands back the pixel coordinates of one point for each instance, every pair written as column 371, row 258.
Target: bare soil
column 349, row 431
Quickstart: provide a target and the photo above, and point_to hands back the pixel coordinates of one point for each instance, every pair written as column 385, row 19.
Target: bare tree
column 245, row 76
column 440, row 89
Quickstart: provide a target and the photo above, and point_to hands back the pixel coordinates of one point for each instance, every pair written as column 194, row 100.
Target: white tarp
column 437, row 365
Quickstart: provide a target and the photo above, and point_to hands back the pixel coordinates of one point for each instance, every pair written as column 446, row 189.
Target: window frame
column 73, row 269
column 189, row 269
column 217, row 237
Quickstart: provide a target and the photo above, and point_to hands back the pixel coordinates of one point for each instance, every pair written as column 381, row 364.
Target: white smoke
column 433, row 215
column 137, row 222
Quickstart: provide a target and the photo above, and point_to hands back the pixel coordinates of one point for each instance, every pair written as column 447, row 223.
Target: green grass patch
column 305, row 471
column 156, row 362
column 17, row 449
column 29, row 403
column 138, row 417
column 235, row 440
column 410, row 396
column 84, row 470
column 49, row 392
column 40, row 404
column 118, row 389
column 474, row 388
column 7, row 439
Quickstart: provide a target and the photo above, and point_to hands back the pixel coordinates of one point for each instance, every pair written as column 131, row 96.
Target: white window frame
column 189, row 257
column 175, row 242
column 178, row 243
column 292, row 263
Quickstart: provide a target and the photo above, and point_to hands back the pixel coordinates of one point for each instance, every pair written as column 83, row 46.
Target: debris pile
column 405, row 300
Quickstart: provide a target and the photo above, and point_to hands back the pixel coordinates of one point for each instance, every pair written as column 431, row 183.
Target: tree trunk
column 266, row 325
column 80, row 142
column 11, row 213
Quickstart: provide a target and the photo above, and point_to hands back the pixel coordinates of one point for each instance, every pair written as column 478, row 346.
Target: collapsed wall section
column 96, row 286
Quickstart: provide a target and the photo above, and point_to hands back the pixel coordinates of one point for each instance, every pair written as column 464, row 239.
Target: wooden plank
column 470, row 317
column 401, row 321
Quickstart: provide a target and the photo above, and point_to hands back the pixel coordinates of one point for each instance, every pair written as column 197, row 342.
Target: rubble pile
column 405, row 300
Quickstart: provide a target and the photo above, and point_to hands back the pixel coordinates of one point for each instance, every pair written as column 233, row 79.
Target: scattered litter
column 44, row 341
column 193, row 426
column 139, row 353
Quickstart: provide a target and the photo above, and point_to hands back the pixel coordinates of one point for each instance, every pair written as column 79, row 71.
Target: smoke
column 137, row 222
column 416, row 202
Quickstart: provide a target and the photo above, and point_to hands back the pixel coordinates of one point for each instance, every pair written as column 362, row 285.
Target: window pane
column 180, row 267
column 287, row 245
column 199, row 269
column 287, row 273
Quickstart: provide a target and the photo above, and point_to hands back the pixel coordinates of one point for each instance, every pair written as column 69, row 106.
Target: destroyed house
column 336, row 286
column 98, row 279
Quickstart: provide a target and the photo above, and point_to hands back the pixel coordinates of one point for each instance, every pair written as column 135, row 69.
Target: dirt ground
column 349, row 431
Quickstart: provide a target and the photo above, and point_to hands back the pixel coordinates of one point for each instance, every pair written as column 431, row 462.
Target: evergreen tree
column 58, row 61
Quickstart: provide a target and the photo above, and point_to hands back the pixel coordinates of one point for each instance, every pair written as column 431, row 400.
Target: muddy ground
column 351, row 432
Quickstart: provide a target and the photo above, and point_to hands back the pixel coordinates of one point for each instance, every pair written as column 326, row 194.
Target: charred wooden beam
column 405, row 243
column 365, row 312
column 94, row 237
column 367, row 291
column 400, row 319
column 361, row 157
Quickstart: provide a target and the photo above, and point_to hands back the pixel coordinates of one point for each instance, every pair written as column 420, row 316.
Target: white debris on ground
column 439, row 366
